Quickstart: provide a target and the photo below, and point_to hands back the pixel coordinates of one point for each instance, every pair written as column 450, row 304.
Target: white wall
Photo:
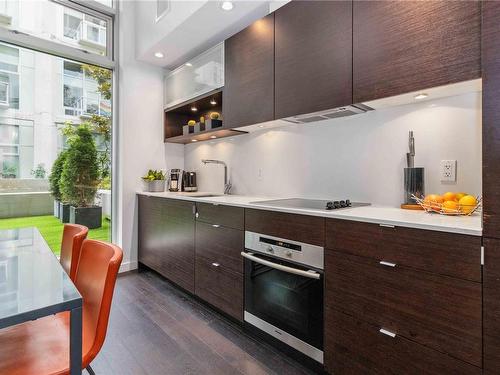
column 140, row 131
column 360, row 157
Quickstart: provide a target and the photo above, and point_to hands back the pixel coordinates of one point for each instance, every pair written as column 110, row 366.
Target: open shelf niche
column 178, row 116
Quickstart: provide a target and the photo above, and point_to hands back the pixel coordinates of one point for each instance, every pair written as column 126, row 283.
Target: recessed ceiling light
column 213, row 102
column 159, row 55
column 194, row 140
column 261, row 126
column 194, row 109
column 189, row 64
column 213, row 136
column 421, row 96
column 227, row 5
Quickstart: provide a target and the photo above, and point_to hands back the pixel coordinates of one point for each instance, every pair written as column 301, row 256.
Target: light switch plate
column 448, row 170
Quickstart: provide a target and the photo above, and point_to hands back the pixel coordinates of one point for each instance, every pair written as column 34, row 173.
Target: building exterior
column 39, row 93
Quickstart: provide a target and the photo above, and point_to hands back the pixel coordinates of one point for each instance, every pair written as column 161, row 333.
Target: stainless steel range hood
column 349, row 110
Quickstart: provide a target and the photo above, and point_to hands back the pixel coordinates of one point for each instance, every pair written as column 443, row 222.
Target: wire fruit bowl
column 440, row 209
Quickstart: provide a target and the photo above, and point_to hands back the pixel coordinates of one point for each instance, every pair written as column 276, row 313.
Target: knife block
column 413, row 184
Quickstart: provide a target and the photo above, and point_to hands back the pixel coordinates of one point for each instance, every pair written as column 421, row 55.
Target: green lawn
column 51, row 229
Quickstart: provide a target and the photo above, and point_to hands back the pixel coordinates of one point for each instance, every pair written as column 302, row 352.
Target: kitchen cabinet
column 491, row 301
column 228, row 216
column 440, row 312
column 450, row 254
column 405, row 46
column 198, row 76
column 491, row 119
column 166, row 238
column 356, row 347
column 313, row 56
column 302, row 228
column 411, row 298
column 220, row 239
column 248, row 94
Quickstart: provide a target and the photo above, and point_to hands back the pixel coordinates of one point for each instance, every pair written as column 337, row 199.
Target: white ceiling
column 191, row 27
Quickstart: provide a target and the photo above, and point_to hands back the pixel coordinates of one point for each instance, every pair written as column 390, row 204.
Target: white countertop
column 471, row 225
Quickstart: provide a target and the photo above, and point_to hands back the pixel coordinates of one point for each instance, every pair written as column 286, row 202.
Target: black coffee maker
column 189, row 181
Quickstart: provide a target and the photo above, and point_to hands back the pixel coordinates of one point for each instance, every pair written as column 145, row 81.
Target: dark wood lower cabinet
column 353, row 346
column 218, row 285
column 166, row 238
column 308, row 229
column 219, row 267
column 491, row 305
column 440, row 312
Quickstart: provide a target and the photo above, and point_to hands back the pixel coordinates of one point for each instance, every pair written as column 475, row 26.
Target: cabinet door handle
column 216, row 225
column 388, row 264
column 216, row 264
column 387, row 226
column 197, row 215
column 388, row 333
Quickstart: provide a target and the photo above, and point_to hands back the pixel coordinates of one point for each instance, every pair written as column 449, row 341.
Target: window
column 9, row 151
column 81, row 96
column 93, row 32
column 64, row 68
column 70, row 24
column 9, row 77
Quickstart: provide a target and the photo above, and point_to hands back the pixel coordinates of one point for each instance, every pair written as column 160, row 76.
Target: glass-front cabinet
column 196, row 77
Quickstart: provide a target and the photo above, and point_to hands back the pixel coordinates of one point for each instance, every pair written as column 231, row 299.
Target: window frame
column 31, row 42
column 16, row 145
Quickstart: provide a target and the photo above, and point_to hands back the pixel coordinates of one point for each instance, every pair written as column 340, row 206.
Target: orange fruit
column 449, row 196
column 450, row 206
column 467, row 203
column 459, row 196
column 434, row 201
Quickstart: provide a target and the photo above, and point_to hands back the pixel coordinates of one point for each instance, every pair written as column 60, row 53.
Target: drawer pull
column 216, row 264
column 388, row 264
column 388, row 333
column 197, row 215
column 216, row 225
column 387, row 226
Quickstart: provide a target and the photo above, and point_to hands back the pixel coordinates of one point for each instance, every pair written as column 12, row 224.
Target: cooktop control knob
column 348, row 203
column 336, row 204
column 342, row 204
column 288, row 253
column 270, row 249
column 329, row 206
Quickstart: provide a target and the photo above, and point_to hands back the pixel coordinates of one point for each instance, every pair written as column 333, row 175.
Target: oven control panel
column 298, row 252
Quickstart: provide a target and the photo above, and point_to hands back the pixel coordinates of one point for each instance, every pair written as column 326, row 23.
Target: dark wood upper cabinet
column 313, row 61
column 491, row 118
column 405, row 46
column 166, row 238
column 248, row 94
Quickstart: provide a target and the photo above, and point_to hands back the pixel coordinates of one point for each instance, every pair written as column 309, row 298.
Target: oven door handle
column 296, row 271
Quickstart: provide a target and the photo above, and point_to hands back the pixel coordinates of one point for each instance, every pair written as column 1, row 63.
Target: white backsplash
column 360, row 157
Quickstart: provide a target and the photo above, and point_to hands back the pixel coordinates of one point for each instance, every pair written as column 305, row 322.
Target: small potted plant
column 154, row 181
column 80, row 178
column 54, row 179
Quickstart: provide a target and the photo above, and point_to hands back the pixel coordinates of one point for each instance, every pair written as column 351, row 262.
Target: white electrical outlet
column 448, row 170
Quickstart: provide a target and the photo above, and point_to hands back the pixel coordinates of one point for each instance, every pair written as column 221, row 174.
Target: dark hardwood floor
column 156, row 329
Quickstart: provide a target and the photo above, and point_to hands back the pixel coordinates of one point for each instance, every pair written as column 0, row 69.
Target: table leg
column 75, row 341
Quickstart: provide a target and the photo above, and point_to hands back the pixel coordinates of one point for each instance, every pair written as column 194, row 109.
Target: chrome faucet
column 227, row 184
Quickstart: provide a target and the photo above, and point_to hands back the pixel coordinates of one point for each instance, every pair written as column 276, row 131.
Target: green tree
column 55, row 176
column 101, row 125
column 80, row 175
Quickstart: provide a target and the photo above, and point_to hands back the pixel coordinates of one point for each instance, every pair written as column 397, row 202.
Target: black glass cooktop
column 311, row 204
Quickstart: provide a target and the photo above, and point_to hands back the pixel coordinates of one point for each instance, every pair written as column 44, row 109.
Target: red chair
column 71, row 244
column 42, row 346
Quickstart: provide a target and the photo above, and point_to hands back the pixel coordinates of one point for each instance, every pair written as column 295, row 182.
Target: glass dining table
column 33, row 284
